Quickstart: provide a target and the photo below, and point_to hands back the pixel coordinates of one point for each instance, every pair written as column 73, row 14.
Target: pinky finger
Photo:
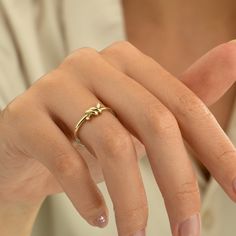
column 54, row 150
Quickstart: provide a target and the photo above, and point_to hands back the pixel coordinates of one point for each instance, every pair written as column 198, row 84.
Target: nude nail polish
column 191, row 226
column 139, row 233
column 101, row 221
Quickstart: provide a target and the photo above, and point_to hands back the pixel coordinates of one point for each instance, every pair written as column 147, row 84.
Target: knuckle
column 120, row 45
column 48, row 85
column 16, row 111
column 160, row 120
column 123, row 53
column 120, row 48
column 193, row 107
column 47, row 82
column 57, row 81
column 66, row 165
column 81, row 55
column 11, row 112
column 187, row 191
column 116, row 142
column 227, row 156
column 18, row 121
column 142, row 208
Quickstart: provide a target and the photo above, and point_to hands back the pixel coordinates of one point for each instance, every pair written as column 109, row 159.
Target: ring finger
column 149, row 120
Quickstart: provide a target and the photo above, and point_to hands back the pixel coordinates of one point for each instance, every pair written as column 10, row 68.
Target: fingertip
column 101, row 221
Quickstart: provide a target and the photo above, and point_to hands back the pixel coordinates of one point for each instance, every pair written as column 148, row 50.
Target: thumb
column 213, row 74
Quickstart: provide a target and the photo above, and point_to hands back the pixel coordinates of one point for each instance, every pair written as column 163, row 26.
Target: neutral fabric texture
column 35, row 35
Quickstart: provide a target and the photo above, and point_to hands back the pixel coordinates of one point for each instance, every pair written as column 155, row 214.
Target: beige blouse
column 35, row 35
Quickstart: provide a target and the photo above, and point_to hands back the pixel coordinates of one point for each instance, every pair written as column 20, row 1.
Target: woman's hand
column 38, row 154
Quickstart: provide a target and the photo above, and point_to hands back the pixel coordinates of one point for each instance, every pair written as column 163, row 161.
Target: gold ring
column 91, row 112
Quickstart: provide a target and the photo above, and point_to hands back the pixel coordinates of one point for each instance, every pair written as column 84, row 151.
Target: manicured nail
column 139, row 233
column 101, row 221
column 191, row 226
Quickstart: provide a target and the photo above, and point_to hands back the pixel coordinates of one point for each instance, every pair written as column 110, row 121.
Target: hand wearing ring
column 150, row 104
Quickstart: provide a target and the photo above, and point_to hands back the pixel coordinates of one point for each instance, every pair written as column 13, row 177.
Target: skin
column 186, row 31
column 32, row 156
column 182, row 29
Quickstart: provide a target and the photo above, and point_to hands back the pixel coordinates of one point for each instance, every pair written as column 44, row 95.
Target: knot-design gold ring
column 91, row 112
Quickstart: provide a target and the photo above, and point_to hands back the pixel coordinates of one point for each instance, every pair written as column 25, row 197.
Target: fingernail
column 139, row 233
column 191, row 226
column 101, row 221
